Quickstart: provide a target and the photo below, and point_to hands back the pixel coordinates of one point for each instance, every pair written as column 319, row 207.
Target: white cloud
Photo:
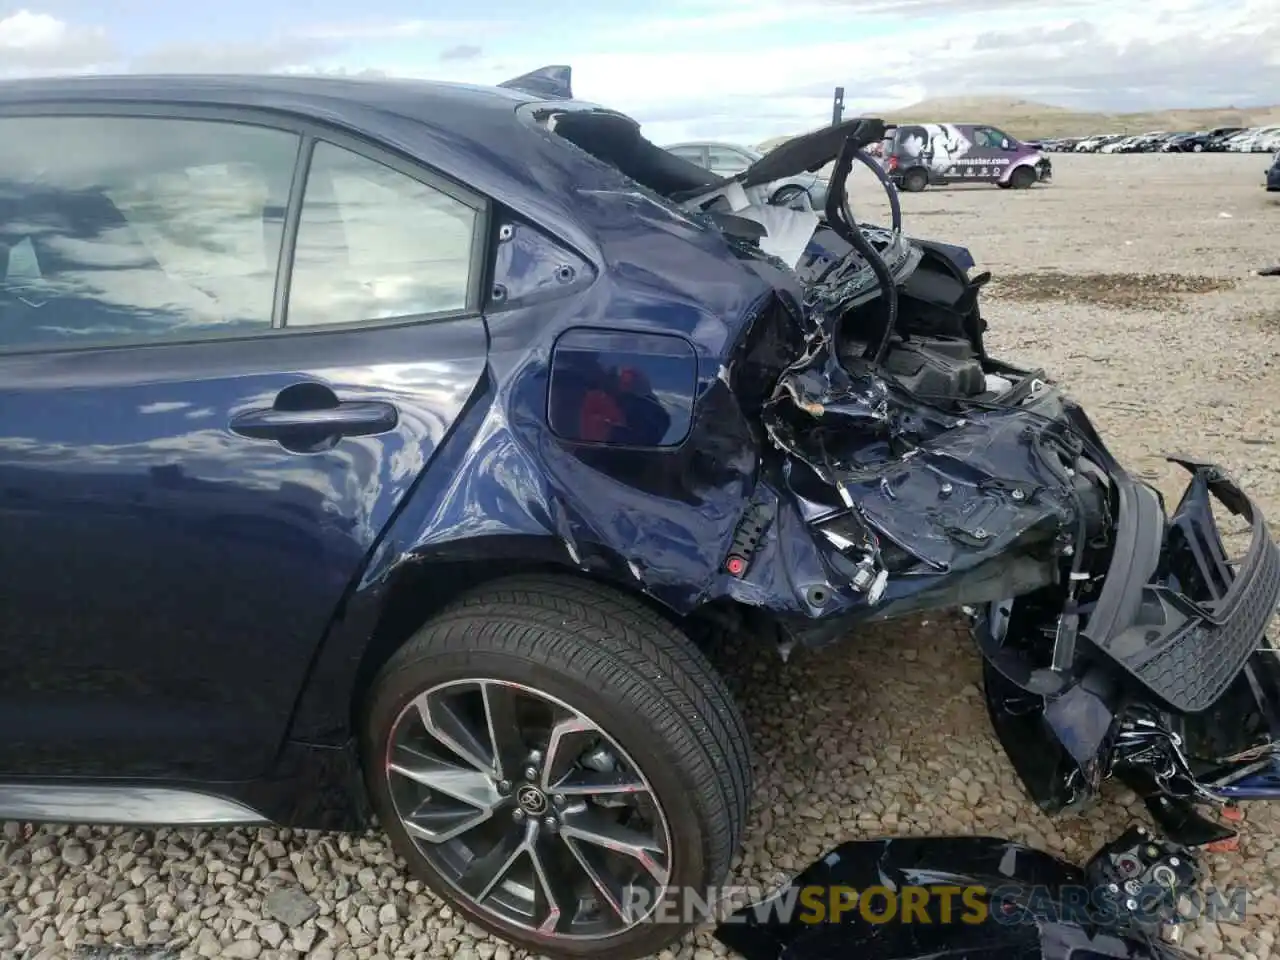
column 750, row 69
column 404, row 29
column 250, row 56
column 31, row 31
column 916, row 8
column 38, row 42
column 1118, row 56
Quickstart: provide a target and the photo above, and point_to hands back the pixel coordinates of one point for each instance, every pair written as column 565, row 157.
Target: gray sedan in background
column 729, row 159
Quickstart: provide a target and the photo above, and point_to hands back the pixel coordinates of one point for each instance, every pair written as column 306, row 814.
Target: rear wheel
column 1022, row 178
column 788, row 195
column 915, row 180
column 553, row 758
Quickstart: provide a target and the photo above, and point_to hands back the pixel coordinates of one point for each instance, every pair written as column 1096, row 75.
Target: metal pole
column 837, row 106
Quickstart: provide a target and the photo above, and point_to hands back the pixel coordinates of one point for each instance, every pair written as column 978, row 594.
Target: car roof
column 415, row 98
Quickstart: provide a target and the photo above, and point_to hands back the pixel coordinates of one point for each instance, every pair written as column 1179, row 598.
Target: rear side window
column 725, row 162
column 692, row 154
column 375, row 244
column 126, row 229
column 910, row 141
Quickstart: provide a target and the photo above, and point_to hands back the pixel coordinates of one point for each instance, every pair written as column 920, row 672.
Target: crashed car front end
column 860, row 456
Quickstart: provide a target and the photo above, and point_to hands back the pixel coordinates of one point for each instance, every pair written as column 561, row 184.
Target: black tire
column 1022, row 178
column 617, row 661
column 785, row 196
column 915, row 180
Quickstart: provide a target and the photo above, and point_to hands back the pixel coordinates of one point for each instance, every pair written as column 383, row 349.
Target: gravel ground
column 1170, row 344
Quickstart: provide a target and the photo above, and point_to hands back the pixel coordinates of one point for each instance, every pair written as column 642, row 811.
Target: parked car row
column 914, row 157
column 1219, row 140
column 1255, row 140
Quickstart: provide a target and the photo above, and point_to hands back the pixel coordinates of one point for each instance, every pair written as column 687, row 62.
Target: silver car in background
column 729, row 159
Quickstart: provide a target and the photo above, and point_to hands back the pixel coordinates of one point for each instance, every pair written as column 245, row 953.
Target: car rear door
column 216, row 388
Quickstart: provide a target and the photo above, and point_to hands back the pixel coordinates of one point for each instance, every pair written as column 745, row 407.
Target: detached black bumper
column 1174, row 613
column 1174, row 688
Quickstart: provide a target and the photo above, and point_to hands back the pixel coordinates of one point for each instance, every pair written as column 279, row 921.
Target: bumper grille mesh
column 1197, row 664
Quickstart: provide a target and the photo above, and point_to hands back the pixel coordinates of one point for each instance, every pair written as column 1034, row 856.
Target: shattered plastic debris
column 911, row 898
column 786, row 232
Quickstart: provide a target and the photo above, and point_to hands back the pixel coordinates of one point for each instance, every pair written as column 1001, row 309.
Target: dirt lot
column 1128, row 279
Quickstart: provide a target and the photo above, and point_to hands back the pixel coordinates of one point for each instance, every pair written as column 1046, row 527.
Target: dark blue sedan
column 374, row 447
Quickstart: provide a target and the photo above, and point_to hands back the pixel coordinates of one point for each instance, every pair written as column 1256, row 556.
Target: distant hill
column 1029, row 120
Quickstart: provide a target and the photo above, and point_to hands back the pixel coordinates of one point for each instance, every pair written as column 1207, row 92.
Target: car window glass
column 115, row 228
column 374, row 243
column 725, row 162
column 989, row 137
column 910, row 141
column 692, row 154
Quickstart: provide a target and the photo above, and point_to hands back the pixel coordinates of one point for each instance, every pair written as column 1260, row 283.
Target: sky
column 742, row 70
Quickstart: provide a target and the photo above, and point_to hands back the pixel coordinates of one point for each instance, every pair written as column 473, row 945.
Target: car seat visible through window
column 72, row 260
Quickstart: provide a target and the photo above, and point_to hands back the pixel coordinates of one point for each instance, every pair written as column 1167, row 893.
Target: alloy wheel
column 528, row 809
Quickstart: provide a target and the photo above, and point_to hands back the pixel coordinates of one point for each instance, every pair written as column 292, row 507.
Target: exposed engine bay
column 901, row 468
